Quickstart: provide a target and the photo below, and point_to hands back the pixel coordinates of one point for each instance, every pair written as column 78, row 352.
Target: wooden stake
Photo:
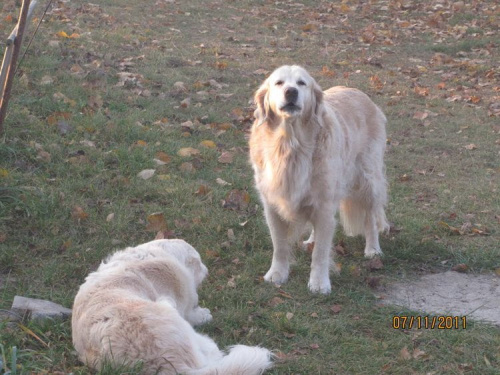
column 13, row 63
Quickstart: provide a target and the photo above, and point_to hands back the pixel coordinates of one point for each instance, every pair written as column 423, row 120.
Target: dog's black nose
column 291, row 94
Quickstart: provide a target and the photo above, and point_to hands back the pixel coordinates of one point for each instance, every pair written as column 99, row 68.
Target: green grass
column 79, row 143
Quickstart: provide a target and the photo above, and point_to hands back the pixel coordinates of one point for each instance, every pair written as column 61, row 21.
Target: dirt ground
column 450, row 293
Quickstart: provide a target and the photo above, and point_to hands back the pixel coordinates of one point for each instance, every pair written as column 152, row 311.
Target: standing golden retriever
column 313, row 152
column 140, row 306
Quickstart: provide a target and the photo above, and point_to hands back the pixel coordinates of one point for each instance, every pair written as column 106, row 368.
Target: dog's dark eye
column 279, row 83
column 301, row 83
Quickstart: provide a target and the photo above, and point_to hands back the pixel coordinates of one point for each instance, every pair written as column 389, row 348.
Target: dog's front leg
column 279, row 228
column 324, row 229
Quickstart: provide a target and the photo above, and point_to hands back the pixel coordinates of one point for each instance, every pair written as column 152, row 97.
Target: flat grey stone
column 449, row 293
column 39, row 309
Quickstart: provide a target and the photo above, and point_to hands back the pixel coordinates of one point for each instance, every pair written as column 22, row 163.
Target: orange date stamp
column 429, row 322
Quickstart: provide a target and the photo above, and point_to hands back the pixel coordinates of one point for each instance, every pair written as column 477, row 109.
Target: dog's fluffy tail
column 353, row 214
column 241, row 360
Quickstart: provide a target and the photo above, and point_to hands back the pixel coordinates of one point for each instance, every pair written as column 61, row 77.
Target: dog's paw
column 199, row 315
column 372, row 252
column 320, row 284
column 276, row 276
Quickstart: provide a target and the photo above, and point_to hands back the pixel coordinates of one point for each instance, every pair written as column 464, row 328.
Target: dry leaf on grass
column 335, row 309
column 374, row 264
column 78, row 214
column 222, row 182
column 208, row 144
column 236, row 200
column 156, row 222
column 202, row 190
column 405, row 354
column 226, row 157
column 146, row 174
column 188, row 151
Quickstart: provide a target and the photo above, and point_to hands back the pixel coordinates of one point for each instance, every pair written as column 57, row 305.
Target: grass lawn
column 111, row 89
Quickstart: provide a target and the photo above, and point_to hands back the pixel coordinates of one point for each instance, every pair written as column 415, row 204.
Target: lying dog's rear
column 139, row 307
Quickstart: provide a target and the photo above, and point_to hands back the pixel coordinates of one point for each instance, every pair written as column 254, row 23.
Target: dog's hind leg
column 309, row 241
column 280, row 232
column 372, row 247
column 374, row 220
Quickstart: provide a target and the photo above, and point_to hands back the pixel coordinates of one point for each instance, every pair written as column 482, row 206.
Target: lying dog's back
column 139, row 307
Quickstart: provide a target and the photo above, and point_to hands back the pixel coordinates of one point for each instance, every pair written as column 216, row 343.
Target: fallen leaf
column 231, row 283
column 374, row 264
column 471, row 147
column 156, row 222
column 46, row 80
column 420, row 115
column 212, row 254
column 163, row 157
column 221, row 65
column 417, row 353
column 226, row 157
column 44, row 156
column 62, row 34
column 78, row 214
column 421, row 91
column 452, row 229
column 373, row 281
column 146, row 174
column 188, row 151
column 202, row 190
column 314, row 346
column 289, row 316
column 230, row 235
column 275, row 301
column 208, row 144
column 187, row 167
column 180, row 87
column 220, row 181
column 462, row 268
column 236, row 200
column 404, row 354
column 405, row 178
column 186, row 103
column 141, row 143
column 335, row 309
column 165, row 234
column 261, row 72
column 327, row 72
column 110, row 217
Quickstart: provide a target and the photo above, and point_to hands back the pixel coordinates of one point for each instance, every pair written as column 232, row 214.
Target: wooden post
column 13, row 63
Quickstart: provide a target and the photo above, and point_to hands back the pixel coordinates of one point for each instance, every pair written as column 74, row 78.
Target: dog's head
column 176, row 248
column 288, row 92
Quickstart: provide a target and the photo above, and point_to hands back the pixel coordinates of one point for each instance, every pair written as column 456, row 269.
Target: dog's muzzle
column 291, row 96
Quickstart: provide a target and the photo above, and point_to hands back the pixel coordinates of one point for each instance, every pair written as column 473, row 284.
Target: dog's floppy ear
column 318, row 96
column 263, row 111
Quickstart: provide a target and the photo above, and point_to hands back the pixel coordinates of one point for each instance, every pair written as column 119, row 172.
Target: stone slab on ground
column 450, row 293
column 39, row 309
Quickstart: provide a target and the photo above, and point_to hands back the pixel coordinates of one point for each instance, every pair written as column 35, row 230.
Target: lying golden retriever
column 140, row 305
column 314, row 152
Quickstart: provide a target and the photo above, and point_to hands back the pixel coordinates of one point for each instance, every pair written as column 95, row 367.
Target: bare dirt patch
column 450, row 293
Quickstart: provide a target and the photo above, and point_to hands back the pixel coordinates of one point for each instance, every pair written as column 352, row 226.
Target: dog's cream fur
column 140, row 305
column 313, row 153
